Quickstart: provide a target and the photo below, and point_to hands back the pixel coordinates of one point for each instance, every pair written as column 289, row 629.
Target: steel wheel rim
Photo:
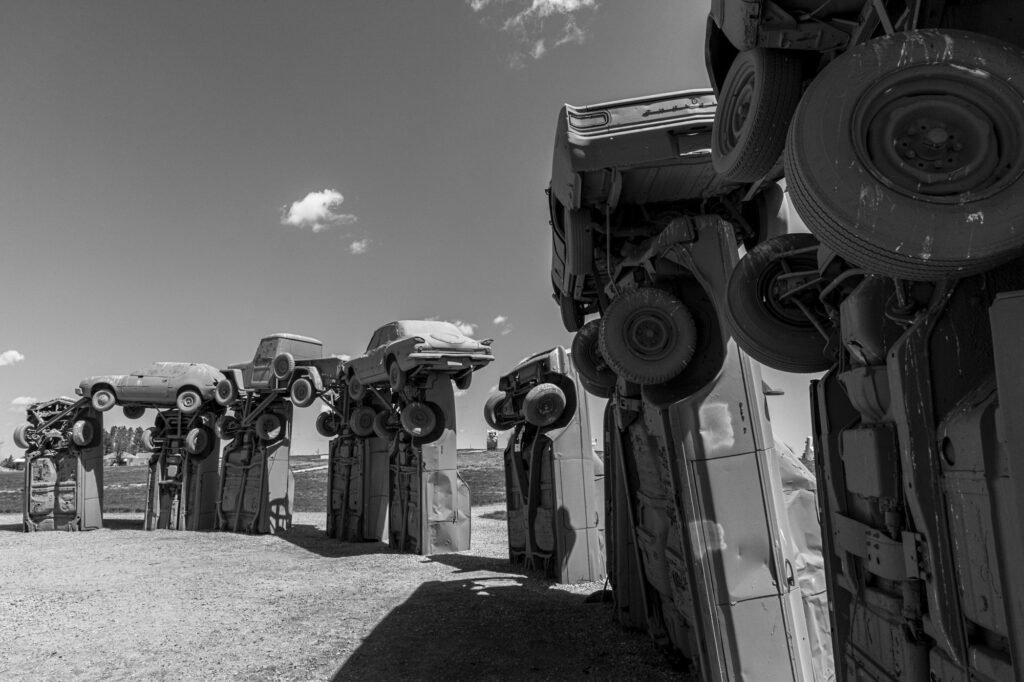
column 736, row 110
column 648, row 334
column 931, row 133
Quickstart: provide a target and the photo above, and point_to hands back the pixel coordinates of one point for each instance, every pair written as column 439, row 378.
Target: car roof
column 292, row 337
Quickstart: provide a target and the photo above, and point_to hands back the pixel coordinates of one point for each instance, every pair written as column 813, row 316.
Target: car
column 403, row 349
column 900, row 123
column 184, row 385
column 628, row 168
column 283, row 362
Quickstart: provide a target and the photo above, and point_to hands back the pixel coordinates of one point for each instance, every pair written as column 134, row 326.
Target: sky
column 178, row 179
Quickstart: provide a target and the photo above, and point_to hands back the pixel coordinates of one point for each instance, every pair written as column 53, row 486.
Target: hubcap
column 649, row 334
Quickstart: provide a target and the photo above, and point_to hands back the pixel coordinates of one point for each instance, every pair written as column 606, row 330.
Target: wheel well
column 189, row 388
column 100, row 387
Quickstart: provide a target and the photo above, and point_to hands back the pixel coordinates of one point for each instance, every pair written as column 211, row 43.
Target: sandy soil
column 123, row 603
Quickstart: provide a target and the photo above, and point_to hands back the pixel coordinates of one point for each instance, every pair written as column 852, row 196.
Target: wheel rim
column 737, row 109
column 187, row 401
column 649, row 334
column 301, row 391
column 103, row 400
column 419, row 419
column 777, row 285
column 932, row 133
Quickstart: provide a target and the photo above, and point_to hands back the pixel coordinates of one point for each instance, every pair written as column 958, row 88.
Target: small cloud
column 572, row 34
column 344, row 357
column 535, row 25
column 460, row 392
column 500, row 319
column 21, row 402
column 359, row 246
column 9, row 357
column 493, row 388
column 506, row 330
column 317, row 210
column 538, row 49
column 466, row 328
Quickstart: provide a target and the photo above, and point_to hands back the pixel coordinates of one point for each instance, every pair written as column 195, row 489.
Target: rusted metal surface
column 357, row 488
column 63, row 476
column 182, row 486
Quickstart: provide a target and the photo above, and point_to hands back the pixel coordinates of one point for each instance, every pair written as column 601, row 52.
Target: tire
column 302, row 393
column 149, row 441
column 597, row 390
column 21, row 433
column 414, row 420
column 226, row 393
column 756, row 103
column 464, row 381
column 361, row 421
column 775, row 332
column 382, row 427
column 572, row 313
column 283, row 365
column 397, row 379
column 269, row 427
column 587, row 358
column 199, row 442
column 491, row 412
column 543, row 405
column 328, row 424
column 647, row 336
column 226, row 427
column 133, row 411
column 863, row 163
column 188, row 401
column 356, row 390
column 85, row 433
column 103, row 399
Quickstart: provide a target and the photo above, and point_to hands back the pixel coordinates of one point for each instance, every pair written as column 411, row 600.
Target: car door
column 136, row 385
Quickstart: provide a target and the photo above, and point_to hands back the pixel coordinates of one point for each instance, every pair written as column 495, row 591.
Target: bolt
column 957, row 146
column 910, row 154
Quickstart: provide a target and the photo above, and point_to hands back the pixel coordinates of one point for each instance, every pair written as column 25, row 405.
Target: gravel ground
column 123, row 603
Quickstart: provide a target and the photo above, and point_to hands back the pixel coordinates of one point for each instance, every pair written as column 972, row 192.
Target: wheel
column 133, row 411
column 396, row 377
column 103, row 399
column 425, row 422
column 356, row 390
column 762, row 305
column 85, row 434
column 587, row 358
column 302, row 393
column 382, row 426
column 269, row 427
column 188, row 401
column 597, row 390
column 757, row 101
column 572, row 313
column 361, row 421
column 543, row 405
column 328, row 424
column 226, row 427
column 915, row 169
column 226, row 392
column 199, row 442
column 492, row 412
column 149, row 440
column 464, row 380
column 283, row 365
column 21, row 432
column 647, row 336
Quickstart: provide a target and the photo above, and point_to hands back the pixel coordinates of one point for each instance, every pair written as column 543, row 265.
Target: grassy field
column 124, row 488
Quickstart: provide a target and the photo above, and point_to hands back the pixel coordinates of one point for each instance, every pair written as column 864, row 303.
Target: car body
column 156, row 384
column 625, row 165
column 415, row 345
column 307, row 353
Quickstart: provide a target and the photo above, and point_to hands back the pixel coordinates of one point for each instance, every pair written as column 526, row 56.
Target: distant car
column 185, row 385
column 283, row 362
column 401, row 349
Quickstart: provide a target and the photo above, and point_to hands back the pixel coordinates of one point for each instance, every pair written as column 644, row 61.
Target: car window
column 302, row 350
column 265, row 353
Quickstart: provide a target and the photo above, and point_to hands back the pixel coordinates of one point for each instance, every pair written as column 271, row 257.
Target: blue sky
column 157, row 161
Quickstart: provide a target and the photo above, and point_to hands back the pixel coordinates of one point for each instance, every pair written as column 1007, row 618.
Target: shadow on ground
column 316, row 541
column 463, row 629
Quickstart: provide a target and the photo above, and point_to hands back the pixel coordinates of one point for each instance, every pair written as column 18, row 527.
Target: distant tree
column 135, row 442
column 8, row 463
column 108, row 441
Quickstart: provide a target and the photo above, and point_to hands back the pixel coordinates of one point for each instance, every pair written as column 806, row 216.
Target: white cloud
column 317, row 210
column 466, row 328
column 501, row 319
column 506, row 330
column 21, row 402
column 9, row 357
column 536, row 25
column 359, row 246
column 459, row 393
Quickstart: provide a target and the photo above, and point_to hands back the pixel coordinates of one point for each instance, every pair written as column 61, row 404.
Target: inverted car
column 402, row 349
column 185, row 385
